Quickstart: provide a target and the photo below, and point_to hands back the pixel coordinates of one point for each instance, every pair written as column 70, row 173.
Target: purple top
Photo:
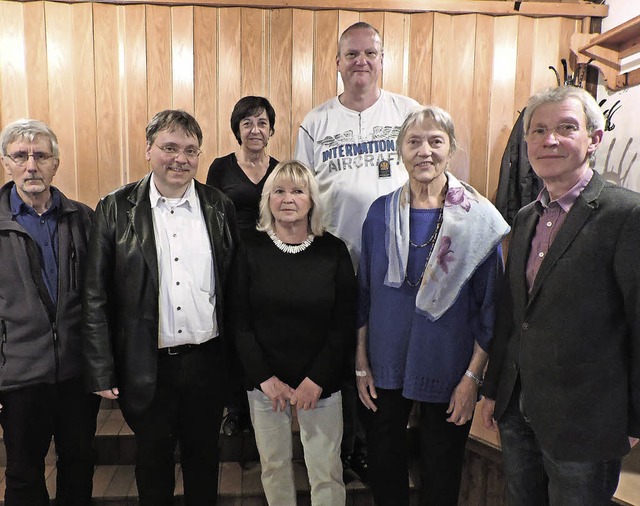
column 407, row 351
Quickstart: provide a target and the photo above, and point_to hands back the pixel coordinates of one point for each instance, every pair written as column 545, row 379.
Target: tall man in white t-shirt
column 350, row 144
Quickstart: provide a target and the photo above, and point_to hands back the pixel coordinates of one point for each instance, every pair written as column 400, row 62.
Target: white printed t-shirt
column 354, row 156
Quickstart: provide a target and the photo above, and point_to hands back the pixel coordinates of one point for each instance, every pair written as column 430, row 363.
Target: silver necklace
column 432, row 243
column 291, row 248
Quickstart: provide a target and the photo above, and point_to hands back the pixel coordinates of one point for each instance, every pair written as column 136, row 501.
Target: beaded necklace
column 431, row 242
column 291, row 248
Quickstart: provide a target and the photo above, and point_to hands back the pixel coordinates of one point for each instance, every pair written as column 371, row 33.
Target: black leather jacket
column 121, row 289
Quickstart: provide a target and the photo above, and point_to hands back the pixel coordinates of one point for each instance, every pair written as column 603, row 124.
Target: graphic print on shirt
column 342, row 152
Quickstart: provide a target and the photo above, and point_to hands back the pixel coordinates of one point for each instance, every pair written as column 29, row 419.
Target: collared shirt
column 43, row 229
column 187, row 296
column 552, row 214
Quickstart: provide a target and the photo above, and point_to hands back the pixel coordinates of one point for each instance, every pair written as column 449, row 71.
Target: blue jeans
column 535, row 478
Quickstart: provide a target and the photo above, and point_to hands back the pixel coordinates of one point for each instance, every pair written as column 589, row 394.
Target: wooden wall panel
column 324, row 57
column 229, row 71
column 546, row 39
column 159, row 76
column 461, row 81
column 60, row 98
column 134, row 50
column 482, row 84
column 301, row 71
column 84, row 111
column 524, row 63
column 502, row 109
column 420, row 57
column 252, row 52
column 13, row 67
column 182, row 58
column 205, row 36
column 280, row 85
column 98, row 72
column 442, row 60
column 108, row 91
column 393, row 41
column 35, row 48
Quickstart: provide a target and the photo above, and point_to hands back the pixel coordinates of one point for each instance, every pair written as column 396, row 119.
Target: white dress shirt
column 187, row 295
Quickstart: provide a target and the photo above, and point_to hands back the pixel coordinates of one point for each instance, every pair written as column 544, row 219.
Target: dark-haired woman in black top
column 240, row 175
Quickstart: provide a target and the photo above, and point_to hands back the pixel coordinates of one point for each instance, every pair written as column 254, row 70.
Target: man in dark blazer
column 159, row 255
column 563, row 381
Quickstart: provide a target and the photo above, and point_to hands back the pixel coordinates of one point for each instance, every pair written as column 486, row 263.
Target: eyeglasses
column 174, row 151
column 539, row 134
column 21, row 158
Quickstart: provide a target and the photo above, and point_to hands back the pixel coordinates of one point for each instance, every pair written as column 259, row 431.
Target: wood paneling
column 420, row 60
column 158, row 39
column 60, row 98
column 84, row 112
column 36, row 53
column 182, row 58
column 109, row 97
column 230, row 75
column 302, row 71
column 393, row 41
column 205, row 33
column 281, row 81
column 97, row 72
column 494, row 7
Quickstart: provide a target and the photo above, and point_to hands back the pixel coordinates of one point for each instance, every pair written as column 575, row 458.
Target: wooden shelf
column 611, row 52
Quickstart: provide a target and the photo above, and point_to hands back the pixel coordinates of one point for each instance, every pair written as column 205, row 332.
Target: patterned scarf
column 471, row 230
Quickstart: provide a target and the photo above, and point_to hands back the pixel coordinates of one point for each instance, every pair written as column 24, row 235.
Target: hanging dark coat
column 518, row 184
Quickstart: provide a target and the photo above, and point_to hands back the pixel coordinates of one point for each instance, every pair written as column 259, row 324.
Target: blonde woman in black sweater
column 294, row 323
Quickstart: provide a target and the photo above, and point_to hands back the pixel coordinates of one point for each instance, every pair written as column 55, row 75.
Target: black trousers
column 442, row 446
column 353, row 435
column 30, row 416
column 187, row 409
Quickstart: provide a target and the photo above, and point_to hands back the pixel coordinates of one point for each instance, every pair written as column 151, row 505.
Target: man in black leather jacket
column 159, row 256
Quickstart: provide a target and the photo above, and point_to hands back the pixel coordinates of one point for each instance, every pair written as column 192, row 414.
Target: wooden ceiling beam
column 570, row 9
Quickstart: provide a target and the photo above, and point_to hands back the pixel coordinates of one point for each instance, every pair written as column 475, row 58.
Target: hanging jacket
column 518, row 184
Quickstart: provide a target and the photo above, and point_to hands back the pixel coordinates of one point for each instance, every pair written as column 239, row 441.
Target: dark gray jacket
column 574, row 342
column 41, row 342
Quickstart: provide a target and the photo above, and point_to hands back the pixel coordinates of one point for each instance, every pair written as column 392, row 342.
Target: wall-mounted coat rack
column 616, row 53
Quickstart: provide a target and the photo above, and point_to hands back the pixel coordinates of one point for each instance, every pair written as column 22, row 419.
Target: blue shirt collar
column 19, row 206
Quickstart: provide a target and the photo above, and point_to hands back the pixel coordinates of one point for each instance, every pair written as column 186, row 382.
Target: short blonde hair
column 300, row 175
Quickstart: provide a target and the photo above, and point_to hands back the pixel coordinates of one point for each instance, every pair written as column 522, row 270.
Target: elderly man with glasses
column 159, row 255
column 563, row 381
column 43, row 244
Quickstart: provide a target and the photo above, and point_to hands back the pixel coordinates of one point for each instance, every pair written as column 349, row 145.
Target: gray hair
column 27, row 129
column 592, row 111
column 429, row 112
column 300, row 175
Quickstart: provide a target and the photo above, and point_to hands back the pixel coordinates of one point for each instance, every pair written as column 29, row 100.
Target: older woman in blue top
column 430, row 258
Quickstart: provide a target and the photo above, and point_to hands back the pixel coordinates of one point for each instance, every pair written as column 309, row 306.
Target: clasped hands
column 304, row 397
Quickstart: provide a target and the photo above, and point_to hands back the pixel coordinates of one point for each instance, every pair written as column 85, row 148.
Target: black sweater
column 294, row 314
